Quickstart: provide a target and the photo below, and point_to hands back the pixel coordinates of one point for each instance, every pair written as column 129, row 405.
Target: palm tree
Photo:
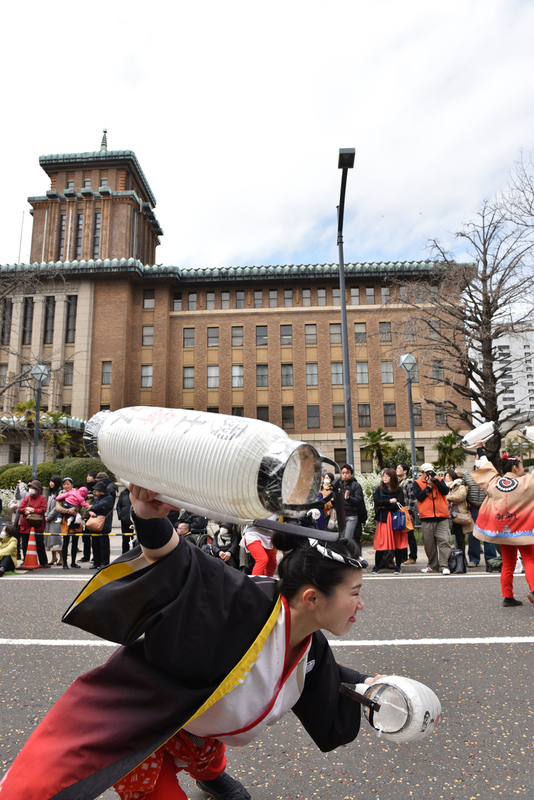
column 56, row 433
column 450, row 452
column 377, row 446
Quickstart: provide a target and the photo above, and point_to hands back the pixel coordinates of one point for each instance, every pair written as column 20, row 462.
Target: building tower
column 99, row 206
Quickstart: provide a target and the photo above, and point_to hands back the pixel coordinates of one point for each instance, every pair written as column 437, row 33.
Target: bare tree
column 455, row 323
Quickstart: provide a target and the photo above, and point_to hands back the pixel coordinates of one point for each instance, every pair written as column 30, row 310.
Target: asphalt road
column 448, row 632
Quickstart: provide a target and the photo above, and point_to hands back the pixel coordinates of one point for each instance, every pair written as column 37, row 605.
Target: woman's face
column 386, row 478
column 448, row 477
column 67, row 486
column 337, row 613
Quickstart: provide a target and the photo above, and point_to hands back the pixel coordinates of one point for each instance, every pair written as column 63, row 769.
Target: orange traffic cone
column 31, row 561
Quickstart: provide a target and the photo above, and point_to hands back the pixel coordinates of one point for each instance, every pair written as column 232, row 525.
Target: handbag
column 398, row 520
column 459, row 517
column 95, row 523
column 409, row 521
column 332, row 521
column 35, row 519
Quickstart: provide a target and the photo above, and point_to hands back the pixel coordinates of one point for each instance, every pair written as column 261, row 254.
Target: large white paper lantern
column 408, row 711
column 220, row 466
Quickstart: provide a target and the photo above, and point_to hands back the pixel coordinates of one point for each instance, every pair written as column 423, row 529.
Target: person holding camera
column 430, row 492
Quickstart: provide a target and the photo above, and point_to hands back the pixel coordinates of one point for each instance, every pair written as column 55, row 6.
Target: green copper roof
column 195, row 276
column 368, row 269
column 97, row 157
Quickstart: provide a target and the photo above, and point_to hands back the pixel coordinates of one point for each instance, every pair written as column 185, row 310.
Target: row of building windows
column 68, row 374
column 312, row 374
column 286, row 334
column 286, row 374
column 273, row 298
column 103, row 181
column 313, row 415
column 78, row 241
column 48, row 323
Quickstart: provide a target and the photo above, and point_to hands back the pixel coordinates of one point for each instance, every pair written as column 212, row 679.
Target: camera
column 431, row 473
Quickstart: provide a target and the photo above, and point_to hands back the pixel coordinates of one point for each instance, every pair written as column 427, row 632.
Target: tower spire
column 104, row 142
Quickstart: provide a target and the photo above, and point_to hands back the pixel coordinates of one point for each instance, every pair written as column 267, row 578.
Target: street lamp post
column 345, row 162
column 408, row 362
column 40, row 373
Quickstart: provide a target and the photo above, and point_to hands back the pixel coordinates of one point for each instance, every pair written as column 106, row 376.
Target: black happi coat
column 197, row 620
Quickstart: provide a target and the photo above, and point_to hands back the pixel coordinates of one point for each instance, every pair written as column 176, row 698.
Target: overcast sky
column 236, row 110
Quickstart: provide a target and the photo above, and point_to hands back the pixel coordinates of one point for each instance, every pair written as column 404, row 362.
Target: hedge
column 75, row 468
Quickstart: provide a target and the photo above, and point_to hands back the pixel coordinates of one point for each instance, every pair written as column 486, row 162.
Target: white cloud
column 236, row 111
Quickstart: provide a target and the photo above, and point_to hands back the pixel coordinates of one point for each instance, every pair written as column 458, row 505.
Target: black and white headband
column 327, row 552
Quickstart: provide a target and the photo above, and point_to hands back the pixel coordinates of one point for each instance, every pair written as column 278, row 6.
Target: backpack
column 457, row 562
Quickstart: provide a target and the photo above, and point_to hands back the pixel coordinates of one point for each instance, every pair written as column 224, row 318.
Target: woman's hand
column 368, row 681
column 28, row 510
column 224, row 556
column 393, row 500
column 145, row 505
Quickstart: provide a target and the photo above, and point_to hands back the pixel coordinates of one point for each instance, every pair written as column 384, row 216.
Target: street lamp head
column 40, row 372
column 346, row 158
column 408, row 361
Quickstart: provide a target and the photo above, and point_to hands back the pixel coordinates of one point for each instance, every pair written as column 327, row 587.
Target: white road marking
column 333, row 642
column 410, row 642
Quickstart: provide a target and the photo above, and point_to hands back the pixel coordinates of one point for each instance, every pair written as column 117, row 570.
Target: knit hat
column 427, row 467
column 100, row 487
column 102, row 476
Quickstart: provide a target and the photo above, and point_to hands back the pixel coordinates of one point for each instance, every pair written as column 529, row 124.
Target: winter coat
column 103, row 507
column 381, row 498
column 458, row 497
column 9, row 547
column 123, row 509
column 431, row 501
column 354, row 503
column 38, row 503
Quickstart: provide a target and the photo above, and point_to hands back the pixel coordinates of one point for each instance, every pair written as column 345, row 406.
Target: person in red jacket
column 430, row 491
column 33, row 503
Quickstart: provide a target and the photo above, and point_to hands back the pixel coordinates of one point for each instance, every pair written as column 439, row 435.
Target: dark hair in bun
column 304, row 565
column 508, row 463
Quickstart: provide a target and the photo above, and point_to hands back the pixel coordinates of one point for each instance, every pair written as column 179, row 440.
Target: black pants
column 459, row 536
column 39, row 541
column 400, row 555
column 412, row 545
column 86, row 539
column 65, row 548
column 7, row 564
column 101, row 549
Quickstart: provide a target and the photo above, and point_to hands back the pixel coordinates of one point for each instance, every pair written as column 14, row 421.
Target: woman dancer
column 223, row 655
column 506, row 517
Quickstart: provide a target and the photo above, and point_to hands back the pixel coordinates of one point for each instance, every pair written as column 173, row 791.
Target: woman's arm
column 154, row 531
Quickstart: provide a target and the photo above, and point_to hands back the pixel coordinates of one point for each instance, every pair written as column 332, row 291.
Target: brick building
column 256, row 341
